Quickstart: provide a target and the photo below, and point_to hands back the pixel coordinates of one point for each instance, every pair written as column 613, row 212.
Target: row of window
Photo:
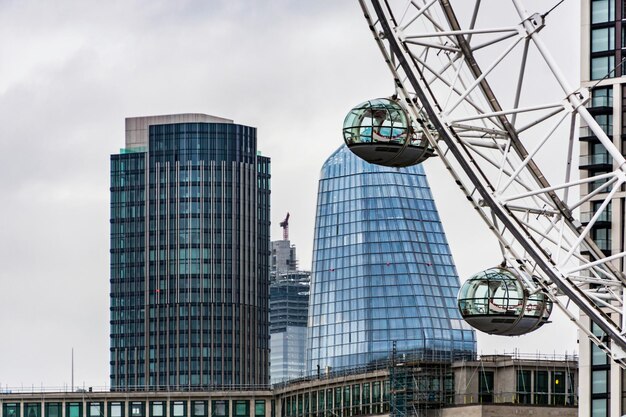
column 186, row 182
column 356, row 399
column 214, row 408
column 358, row 216
column 381, row 204
column 386, row 225
column 553, row 387
column 382, row 179
column 370, row 197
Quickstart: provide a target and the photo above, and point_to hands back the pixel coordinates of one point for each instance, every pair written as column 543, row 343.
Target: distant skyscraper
column 283, row 258
column 289, row 304
column 189, row 255
column 382, row 269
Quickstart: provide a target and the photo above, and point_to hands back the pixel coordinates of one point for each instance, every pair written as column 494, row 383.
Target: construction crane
column 285, row 225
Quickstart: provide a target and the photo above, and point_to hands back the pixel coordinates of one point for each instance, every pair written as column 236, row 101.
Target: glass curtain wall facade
column 189, row 256
column 382, row 270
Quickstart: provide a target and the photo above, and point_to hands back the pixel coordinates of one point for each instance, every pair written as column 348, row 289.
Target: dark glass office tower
column 190, row 205
column 382, row 270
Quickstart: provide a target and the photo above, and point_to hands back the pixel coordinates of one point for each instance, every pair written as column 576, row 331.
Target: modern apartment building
column 190, row 202
column 382, row 270
column 603, row 51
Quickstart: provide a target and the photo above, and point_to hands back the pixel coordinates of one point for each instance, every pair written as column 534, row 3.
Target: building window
column 220, row 408
column 179, row 408
column 314, row 403
column 602, row 66
column 116, row 409
column 599, row 407
column 386, row 396
column 137, row 409
column 558, row 388
column 602, row 97
column 11, row 410
column 259, row 408
column 541, row 387
column 603, row 39
column 599, row 381
column 524, row 391
column 571, row 389
column 485, row 387
column 602, row 11
column 356, row 398
column 156, row 409
column 376, row 397
column 95, row 410
column 242, row 408
column 199, row 409
column 594, row 185
column 606, row 123
column 74, row 410
column 54, row 410
column 365, row 398
column 32, row 410
column 600, row 384
column 602, row 238
column 300, row 404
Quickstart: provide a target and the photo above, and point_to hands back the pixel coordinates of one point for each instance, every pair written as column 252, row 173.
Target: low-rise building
column 494, row 385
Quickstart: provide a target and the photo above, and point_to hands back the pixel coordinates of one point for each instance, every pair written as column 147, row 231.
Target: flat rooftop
column 137, row 127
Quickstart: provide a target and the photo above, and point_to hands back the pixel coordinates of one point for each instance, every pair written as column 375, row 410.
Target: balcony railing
column 586, row 132
column 602, row 101
column 596, row 159
column 594, row 185
column 603, row 244
column 605, row 216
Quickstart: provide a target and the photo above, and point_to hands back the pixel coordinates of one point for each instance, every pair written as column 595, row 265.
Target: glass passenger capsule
column 494, row 301
column 379, row 132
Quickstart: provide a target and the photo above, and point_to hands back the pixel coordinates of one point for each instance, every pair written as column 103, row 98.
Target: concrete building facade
column 603, row 49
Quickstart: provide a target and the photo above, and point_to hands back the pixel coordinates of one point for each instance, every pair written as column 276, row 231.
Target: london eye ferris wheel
column 466, row 91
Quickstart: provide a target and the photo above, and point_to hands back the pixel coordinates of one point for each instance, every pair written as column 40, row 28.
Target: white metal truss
column 470, row 86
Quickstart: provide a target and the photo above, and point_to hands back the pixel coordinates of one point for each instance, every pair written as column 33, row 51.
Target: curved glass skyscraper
column 382, row 269
column 189, row 255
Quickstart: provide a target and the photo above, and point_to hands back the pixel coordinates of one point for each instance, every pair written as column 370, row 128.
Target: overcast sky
column 71, row 71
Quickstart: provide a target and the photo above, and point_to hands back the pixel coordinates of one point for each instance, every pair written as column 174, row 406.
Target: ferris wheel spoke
column 507, row 173
column 421, row 9
column 585, row 232
column 479, row 80
column 450, row 34
column 513, row 111
column 493, row 41
column 437, row 75
column 567, row 185
column 589, row 265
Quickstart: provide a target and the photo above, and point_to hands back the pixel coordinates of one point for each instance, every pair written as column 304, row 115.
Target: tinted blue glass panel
column 382, row 269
